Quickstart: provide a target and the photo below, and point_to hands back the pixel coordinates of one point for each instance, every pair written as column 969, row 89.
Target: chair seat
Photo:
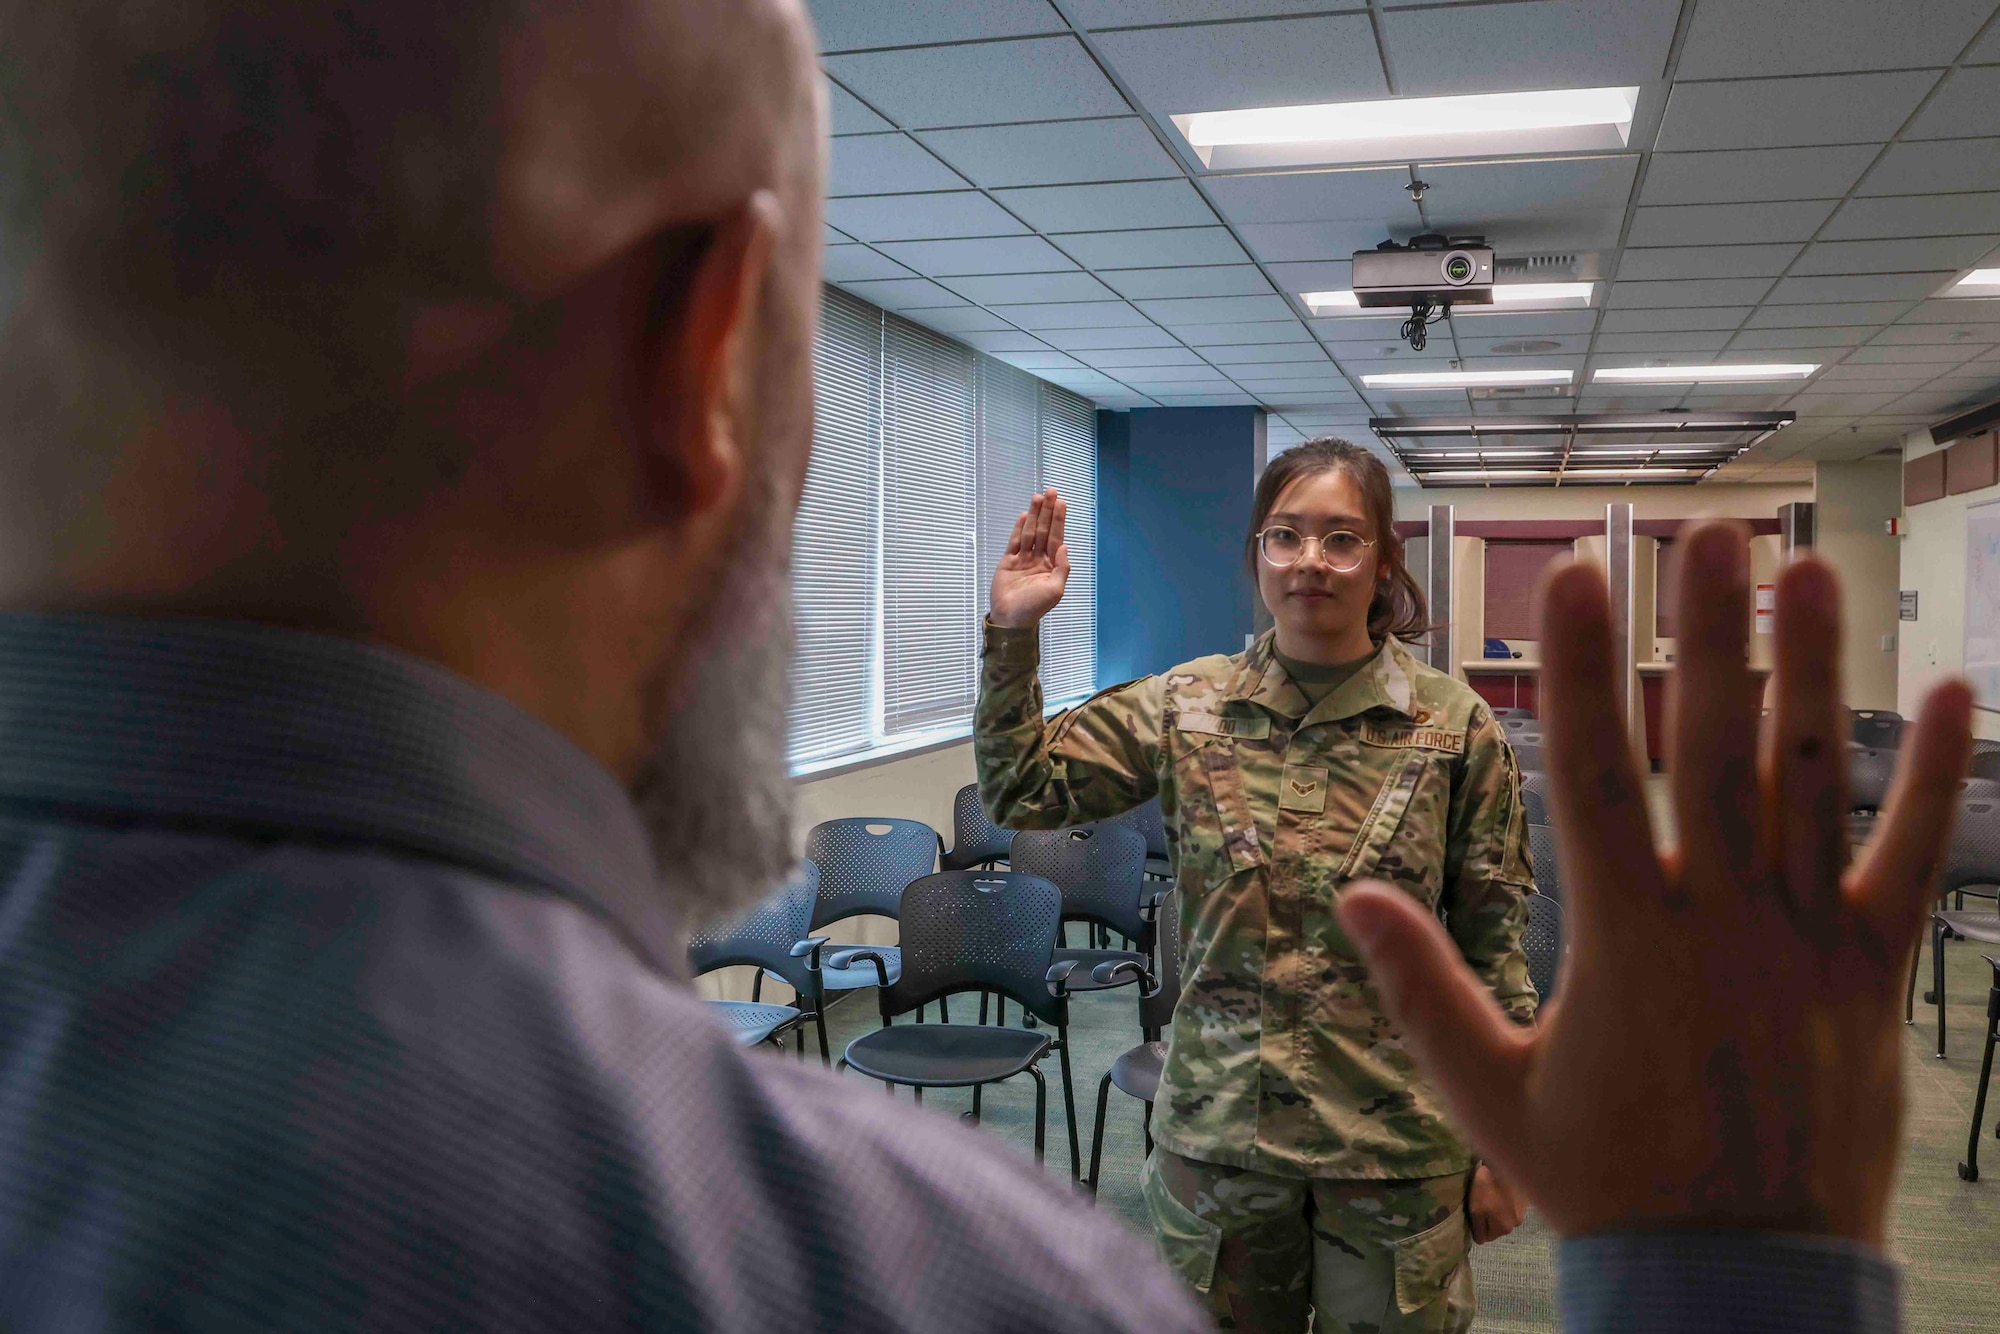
column 1080, row 980
column 1137, row 1072
column 946, row 1055
column 1159, row 868
column 862, row 972
column 750, row 1022
column 1981, row 926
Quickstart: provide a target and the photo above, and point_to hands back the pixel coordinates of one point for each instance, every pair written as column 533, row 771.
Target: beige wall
column 1854, row 501
column 1933, row 564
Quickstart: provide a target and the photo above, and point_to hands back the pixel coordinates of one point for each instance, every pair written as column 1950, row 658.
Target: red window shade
column 1513, row 569
column 1663, row 591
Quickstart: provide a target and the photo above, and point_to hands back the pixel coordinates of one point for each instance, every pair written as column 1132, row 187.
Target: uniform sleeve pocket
column 1187, row 1242
column 1427, row 1262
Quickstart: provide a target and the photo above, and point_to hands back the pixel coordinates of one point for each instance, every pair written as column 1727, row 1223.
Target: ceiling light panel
column 1980, row 282
column 1407, row 128
column 1518, row 296
column 1729, row 374
column 1465, row 379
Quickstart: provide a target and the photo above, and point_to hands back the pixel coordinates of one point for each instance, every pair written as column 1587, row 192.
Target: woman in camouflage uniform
column 1303, row 1162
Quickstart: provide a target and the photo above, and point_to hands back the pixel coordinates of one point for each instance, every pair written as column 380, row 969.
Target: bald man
column 405, row 406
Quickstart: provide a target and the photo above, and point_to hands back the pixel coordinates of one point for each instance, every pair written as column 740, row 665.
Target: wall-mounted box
column 1923, row 479
column 1972, row 464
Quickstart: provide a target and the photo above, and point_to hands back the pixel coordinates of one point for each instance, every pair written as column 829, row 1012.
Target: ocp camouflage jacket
column 1280, row 1058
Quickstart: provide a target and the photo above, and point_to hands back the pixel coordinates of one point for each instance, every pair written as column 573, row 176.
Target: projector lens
column 1458, row 269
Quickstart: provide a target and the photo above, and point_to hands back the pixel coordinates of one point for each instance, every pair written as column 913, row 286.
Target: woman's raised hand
column 1030, row 578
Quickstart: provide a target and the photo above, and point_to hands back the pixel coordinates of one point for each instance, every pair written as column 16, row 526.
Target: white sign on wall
column 1982, row 602
column 1767, row 609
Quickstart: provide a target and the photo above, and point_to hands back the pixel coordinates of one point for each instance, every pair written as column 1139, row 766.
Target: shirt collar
column 1387, row 681
column 225, row 722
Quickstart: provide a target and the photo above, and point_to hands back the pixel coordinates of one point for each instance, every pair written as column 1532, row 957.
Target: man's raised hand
column 1031, row 576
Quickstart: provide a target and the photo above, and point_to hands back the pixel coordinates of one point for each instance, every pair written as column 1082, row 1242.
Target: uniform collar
column 293, row 735
column 1388, row 681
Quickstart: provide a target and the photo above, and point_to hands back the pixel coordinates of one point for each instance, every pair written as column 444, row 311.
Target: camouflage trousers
column 1363, row 1257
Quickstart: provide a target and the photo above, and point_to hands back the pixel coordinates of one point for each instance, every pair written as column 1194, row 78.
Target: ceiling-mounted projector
column 1430, row 275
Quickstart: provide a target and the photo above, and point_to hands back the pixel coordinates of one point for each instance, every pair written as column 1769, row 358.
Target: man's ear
column 701, row 362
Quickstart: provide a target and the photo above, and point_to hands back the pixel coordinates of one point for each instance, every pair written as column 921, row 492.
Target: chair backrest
column 1880, row 728
column 1100, row 868
column 1985, row 763
column 865, row 862
column 1983, row 789
column 1543, row 943
column 1542, row 860
column 1535, row 797
column 1870, row 770
column 978, row 931
column 1504, row 714
column 1152, row 827
column 975, row 840
column 1516, row 720
column 764, row 936
column 1974, row 855
column 1157, row 1010
column 1528, row 755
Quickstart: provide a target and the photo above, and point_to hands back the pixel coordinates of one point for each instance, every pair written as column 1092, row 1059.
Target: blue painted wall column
column 1173, row 496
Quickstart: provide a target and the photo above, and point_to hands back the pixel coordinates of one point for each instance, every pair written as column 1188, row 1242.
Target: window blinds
column 1069, row 464
column 1010, row 463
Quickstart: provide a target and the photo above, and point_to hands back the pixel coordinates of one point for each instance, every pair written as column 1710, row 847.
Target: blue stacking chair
column 774, row 937
column 865, row 863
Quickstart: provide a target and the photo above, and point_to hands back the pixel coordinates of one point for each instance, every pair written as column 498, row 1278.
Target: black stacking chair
column 1100, row 869
column 1870, row 770
column 1968, row 1170
column 1528, row 754
column 1146, row 818
column 975, row 840
column 1545, row 942
column 1517, row 720
column 1985, row 760
column 1137, row 1071
column 1880, row 729
column 972, row 931
column 1972, row 860
column 864, row 863
column 774, row 937
column 1535, row 798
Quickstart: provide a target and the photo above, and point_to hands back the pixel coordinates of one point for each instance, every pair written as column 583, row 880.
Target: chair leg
column 983, row 998
column 1147, row 1131
column 1097, row 1132
column 1937, row 978
column 919, row 1091
column 1041, row 1111
column 1969, row 1169
column 819, row 1021
column 1000, row 1011
column 944, row 1009
column 1069, row 1109
column 1910, row 996
column 757, row 986
column 977, row 1089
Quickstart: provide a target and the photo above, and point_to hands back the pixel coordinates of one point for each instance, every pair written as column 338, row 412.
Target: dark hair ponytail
column 1398, row 607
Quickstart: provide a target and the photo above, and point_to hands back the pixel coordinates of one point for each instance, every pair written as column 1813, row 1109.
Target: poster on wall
column 1982, row 603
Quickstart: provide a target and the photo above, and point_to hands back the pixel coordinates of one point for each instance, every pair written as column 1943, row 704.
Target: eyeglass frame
column 1307, row 542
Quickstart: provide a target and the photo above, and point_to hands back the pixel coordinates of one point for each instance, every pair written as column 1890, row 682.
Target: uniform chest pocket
column 1218, row 836
column 1385, row 819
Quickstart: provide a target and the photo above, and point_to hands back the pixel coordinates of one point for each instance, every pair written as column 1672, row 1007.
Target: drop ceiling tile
column 847, row 24
column 1041, row 361
column 1788, row 113
column 1932, row 335
column 1486, row 322
column 1841, row 402
column 1905, row 255
column 1111, row 359
column 1159, row 388
column 1292, row 386
column 960, row 320
column 921, row 217
column 1713, row 261
column 1858, row 287
column 1215, row 309
column 833, row 235
column 1130, row 336
column 985, row 83
column 1258, row 63
column 1940, row 355
column 1352, row 330
column 990, row 254
column 1727, row 224
column 1209, row 280
column 1265, row 354
column 1137, row 13
column 1324, row 275
column 1834, row 336
column 856, row 263
column 1512, row 347
column 1749, row 39
column 1936, row 166
column 1375, row 195
column 1915, row 215
column 1942, row 402
column 1004, row 342
column 1640, row 344
column 848, row 115
column 1018, row 289
column 1090, row 208
column 1827, row 314
column 1873, row 378
column 1558, row 203
column 903, row 293
column 1162, row 247
column 1673, row 321
column 1546, row 44
column 1196, row 372
column 1242, row 335
column 886, row 164
column 1754, row 175
column 1205, row 400
column 1063, row 153
column 1289, row 242
column 1687, row 292
column 1075, row 315
column 1738, row 402
column 1967, row 105
column 1954, row 310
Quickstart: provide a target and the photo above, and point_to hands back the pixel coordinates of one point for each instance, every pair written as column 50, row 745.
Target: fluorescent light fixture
column 1464, row 379
column 1547, row 295
column 1407, row 128
column 1648, row 451
column 1705, row 374
column 1482, row 473
column 1980, row 282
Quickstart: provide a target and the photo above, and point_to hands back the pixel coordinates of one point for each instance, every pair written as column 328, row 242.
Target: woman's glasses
column 1285, row 547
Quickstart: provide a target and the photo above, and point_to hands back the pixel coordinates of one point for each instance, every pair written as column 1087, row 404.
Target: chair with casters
column 1100, row 869
column 1152, row 826
column 975, row 840
column 1545, row 942
column 1881, row 729
column 1971, row 862
column 864, row 863
column 984, row 931
column 775, row 938
column 1137, row 1071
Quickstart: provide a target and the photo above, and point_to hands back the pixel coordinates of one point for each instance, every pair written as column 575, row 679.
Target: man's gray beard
column 717, row 793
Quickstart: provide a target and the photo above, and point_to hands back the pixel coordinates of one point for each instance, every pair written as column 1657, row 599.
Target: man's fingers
column 1711, row 714
column 1061, row 512
column 1447, row 1015
column 1808, row 792
column 1604, row 835
column 1016, row 538
column 1045, row 518
column 1896, row 882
